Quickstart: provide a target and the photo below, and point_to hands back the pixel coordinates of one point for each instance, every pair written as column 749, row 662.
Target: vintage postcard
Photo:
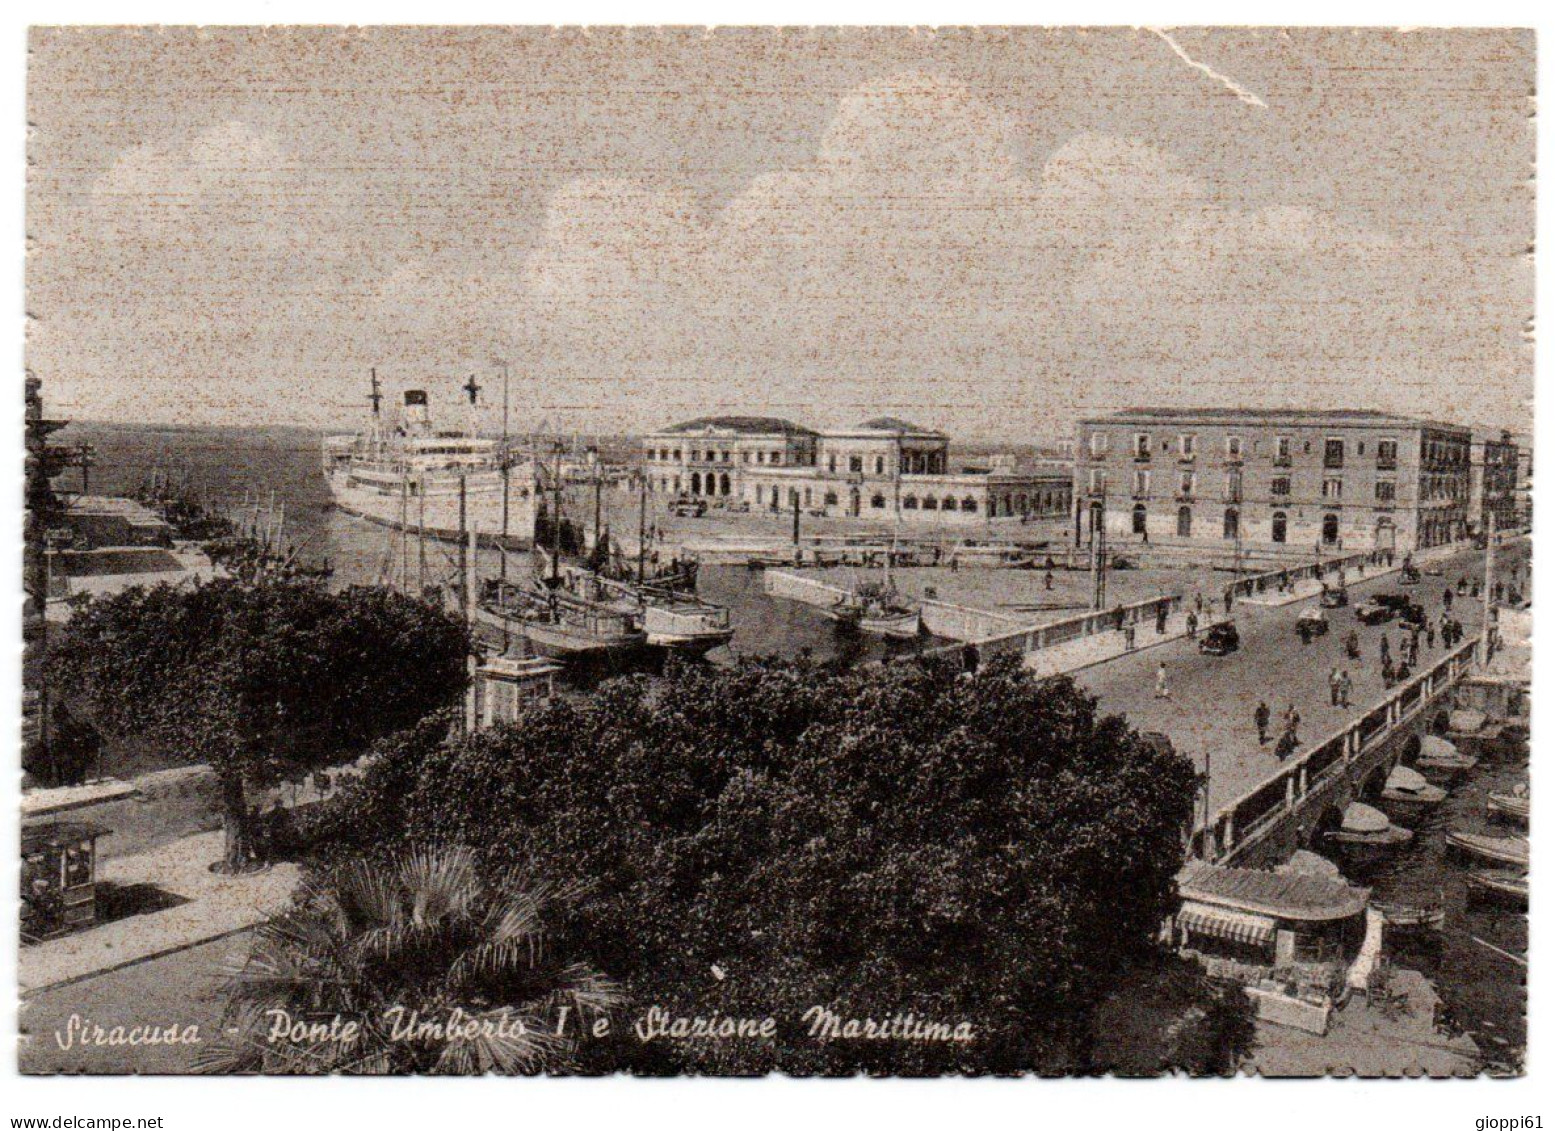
column 821, row 551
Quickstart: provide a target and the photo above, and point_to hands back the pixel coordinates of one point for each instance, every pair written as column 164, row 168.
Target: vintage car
column 1375, row 611
column 1409, row 575
column 1220, row 639
column 1334, row 598
column 1315, row 619
column 688, row 508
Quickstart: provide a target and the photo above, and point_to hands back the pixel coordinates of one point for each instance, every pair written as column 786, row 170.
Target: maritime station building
column 879, row 470
column 1310, row 480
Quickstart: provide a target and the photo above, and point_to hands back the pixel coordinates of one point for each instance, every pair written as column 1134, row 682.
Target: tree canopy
column 766, row 839
column 260, row 680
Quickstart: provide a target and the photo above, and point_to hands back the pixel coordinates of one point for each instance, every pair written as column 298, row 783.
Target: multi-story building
column 877, row 471
column 1332, row 481
column 1493, row 479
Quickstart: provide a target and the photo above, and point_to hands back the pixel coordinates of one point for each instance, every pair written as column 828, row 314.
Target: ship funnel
column 415, row 414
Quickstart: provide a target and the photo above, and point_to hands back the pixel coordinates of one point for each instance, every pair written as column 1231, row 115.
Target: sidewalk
column 216, row 905
column 1087, row 651
column 1311, row 587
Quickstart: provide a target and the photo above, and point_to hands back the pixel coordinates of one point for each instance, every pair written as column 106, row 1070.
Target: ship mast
column 375, row 437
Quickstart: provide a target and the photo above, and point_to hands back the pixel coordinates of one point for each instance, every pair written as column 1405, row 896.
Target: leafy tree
column 71, row 752
column 259, row 680
column 388, row 945
column 762, row 840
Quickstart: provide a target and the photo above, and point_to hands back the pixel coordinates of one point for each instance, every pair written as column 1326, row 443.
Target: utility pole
column 469, row 620
column 794, row 495
column 642, row 524
column 464, row 552
column 421, row 538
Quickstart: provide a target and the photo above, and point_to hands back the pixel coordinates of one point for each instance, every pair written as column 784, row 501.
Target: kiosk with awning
column 1269, row 919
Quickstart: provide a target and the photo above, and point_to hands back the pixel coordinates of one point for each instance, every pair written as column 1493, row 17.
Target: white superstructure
column 411, row 477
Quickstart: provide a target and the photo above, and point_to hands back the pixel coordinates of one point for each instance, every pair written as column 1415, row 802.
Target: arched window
column 696, row 482
column 930, row 503
column 1233, row 524
column 831, row 498
column 723, row 483
column 1020, row 503
column 1330, row 529
column 969, row 505
column 949, row 504
column 1185, row 522
column 1278, row 532
column 877, row 502
column 910, row 502
column 1139, row 518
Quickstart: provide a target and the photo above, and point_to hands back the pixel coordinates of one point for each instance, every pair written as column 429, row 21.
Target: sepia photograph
column 754, row 551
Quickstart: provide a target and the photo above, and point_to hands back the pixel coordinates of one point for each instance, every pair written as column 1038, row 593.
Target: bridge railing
column 1091, row 623
column 1240, row 823
column 1336, row 567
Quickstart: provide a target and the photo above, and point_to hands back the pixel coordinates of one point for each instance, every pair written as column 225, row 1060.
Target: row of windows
column 1187, row 485
column 1186, row 446
column 668, row 455
column 1231, row 524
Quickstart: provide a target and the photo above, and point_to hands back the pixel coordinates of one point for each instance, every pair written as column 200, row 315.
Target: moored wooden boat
column 1440, row 762
column 563, row 626
column 1498, row 885
column 1401, row 917
column 1407, row 794
column 1512, row 850
column 1366, row 835
column 902, row 624
column 1512, row 806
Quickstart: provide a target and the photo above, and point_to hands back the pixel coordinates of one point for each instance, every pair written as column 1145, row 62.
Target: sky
column 987, row 231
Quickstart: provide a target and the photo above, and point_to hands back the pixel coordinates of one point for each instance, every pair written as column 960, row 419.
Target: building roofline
column 1333, row 418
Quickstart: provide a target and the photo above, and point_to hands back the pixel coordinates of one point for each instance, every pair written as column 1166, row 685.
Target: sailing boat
column 564, row 616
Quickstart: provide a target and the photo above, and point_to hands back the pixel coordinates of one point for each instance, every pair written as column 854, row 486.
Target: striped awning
column 1238, row 926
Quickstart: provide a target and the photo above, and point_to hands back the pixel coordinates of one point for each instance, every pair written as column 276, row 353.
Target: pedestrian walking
column 1463, row 585
column 1047, row 579
column 1161, row 690
column 1345, row 686
column 1304, row 630
column 1160, row 619
column 1352, row 645
column 1193, row 625
column 1292, row 722
column 1261, row 721
column 1430, row 635
column 1385, row 650
column 1333, row 687
column 1128, row 638
column 1447, row 598
column 1198, row 602
column 1387, row 672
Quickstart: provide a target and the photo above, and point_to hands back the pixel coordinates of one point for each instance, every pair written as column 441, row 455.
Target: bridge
column 1309, row 794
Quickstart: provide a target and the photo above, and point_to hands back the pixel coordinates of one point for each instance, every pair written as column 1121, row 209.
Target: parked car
column 1409, row 575
column 1315, row 619
column 1220, row 640
column 1412, row 613
column 1375, row 611
column 688, row 508
column 1334, row 598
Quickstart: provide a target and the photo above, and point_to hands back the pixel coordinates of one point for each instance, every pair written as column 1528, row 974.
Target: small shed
column 505, row 685
column 59, row 876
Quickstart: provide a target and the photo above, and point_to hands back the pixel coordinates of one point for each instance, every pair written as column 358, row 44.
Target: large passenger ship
column 412, row 476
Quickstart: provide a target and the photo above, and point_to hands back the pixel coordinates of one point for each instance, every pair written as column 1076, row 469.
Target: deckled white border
column 273, row 1105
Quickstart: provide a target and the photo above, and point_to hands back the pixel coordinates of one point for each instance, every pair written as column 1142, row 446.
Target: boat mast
column 375, row 437
column 642, row 523
column 507, row 471
column 556, row 516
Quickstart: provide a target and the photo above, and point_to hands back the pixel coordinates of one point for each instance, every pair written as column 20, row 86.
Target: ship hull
column 438, row 514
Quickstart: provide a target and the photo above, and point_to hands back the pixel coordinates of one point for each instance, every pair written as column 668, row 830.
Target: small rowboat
column 1500, row 885
column 1509, row 806
column 1440, row 762
column 1407, row 794
column 1401, row 917
column 1511, row 850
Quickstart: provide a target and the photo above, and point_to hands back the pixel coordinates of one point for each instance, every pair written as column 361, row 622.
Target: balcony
column 1387, row 464
column 1282, row 461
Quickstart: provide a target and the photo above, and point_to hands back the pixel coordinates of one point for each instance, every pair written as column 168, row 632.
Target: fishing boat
column 1407, row 794
column 673, row 620
column 896, row 622
column 1512, row 806
column 412, row 476
column 1498, row 885
column 1511, row 850
column 1365, row 835
column 884, row 611
column 560, row 625
column 1440, row 762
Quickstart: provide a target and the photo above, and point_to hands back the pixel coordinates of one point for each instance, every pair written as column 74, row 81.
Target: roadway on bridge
column 1212, row 698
